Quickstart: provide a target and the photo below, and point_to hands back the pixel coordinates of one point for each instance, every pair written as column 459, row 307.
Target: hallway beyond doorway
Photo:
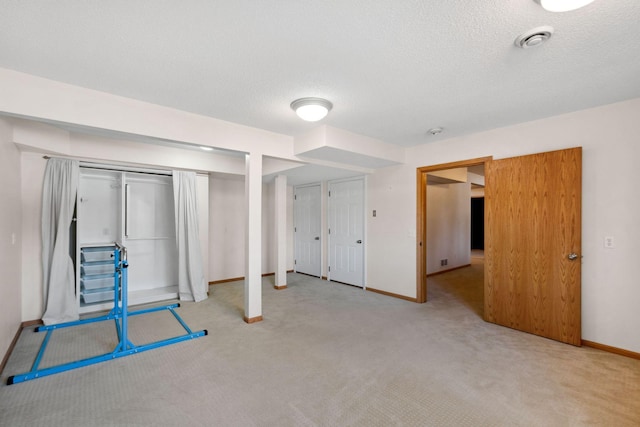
column 461, row 286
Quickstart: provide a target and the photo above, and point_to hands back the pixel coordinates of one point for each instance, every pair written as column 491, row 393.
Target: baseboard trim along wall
column 31, row 323
column 610, row 349
column 23, row 325
column 235, row 279
column 390, row 294
column 448, row 270
column 219, row 282
column 5, row 359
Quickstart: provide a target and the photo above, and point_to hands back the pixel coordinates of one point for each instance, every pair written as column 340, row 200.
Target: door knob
column 359, row 241
column 572, row 256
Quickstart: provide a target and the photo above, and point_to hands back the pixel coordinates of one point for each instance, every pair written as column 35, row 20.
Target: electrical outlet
column 609, row 242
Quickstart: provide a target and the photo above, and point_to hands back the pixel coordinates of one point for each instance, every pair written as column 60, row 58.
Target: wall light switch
column 374, row 213
column 609, row 242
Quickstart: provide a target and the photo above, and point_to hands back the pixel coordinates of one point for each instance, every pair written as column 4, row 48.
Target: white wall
column 226, row 227
column 609, row 136
column 10, row 238
column 391, row 248
column 33, row 166
column 448, row 226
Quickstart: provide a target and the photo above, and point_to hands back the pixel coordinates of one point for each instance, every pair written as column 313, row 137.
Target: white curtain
column 61, row 179
column 191, row 284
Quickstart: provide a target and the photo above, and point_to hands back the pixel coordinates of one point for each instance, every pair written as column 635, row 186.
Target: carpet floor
column 326, row 354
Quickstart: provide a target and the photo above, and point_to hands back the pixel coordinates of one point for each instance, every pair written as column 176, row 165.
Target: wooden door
column 532, row 246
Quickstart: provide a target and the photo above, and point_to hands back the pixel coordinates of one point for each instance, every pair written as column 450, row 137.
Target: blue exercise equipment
column 119, row 314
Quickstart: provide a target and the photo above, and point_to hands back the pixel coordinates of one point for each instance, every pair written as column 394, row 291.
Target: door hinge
column 329, row 231
column 295, row 261
column 295, row 197
column 329, row 268
column 329, row 193
column 295, row 229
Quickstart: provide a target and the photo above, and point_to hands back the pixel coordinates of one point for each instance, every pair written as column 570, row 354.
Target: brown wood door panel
column 532, row 224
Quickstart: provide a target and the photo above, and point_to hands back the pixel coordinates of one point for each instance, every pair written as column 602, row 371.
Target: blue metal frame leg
column 119, row 314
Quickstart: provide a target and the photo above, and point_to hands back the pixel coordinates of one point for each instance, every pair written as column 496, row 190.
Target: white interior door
column 346, row 232
column 307, row 224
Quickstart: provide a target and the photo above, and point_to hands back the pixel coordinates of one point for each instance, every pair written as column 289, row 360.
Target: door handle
column 316, row 238
column 572, row 256
column 358, row 241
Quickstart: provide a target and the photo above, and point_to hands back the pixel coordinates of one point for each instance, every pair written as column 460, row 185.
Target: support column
column 253, row 238
column 281, row 231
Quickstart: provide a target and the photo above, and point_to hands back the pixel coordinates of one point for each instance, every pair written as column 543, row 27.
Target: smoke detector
column 534, row 37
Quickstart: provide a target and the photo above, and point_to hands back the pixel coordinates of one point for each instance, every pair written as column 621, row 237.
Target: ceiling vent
column 534, row 37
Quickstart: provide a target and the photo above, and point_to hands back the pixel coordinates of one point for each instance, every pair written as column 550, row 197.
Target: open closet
column 136, row 209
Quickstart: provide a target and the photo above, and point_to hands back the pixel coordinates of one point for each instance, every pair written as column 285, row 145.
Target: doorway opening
column 421, row 216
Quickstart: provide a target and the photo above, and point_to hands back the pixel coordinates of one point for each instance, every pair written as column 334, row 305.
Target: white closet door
column 346, row 232
column 99, row 207
column 307, row 223
column 150, row 231
column 99, row 217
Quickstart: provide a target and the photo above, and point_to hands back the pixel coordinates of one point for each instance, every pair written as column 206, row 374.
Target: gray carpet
column 326, row 355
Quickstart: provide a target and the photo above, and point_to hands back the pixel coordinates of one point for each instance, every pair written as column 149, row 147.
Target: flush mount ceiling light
column 435, row 131
column 563, row 5
column 534, row 37
column 311, row 109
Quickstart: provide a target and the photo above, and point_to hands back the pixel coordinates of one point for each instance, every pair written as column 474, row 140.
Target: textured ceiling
column 393, row 69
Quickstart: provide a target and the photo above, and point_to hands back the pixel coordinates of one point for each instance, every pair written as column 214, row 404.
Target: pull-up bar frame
column 119, row 314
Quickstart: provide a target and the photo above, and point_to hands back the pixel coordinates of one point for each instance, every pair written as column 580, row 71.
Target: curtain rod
column 104, row 166
column 122, row 168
